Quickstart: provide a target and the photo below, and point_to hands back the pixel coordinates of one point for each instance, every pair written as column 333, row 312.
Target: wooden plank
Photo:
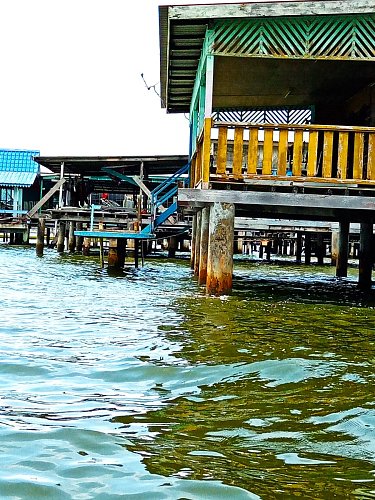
column 342, row 160
column 371, row 157
column 358, row 156
column 297, row 152
column 221, row 164
column 327, row 154
column 253, row 150
column 206, row 151
column 238, row 153
column 192, row 171
column 267, row 152
column 45, row 198
column 283, row 152
column 312, row 158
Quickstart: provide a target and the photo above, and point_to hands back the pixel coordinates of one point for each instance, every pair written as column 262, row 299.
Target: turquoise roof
column 17, row 167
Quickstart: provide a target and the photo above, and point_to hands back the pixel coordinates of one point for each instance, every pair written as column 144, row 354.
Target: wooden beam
column 45, row 198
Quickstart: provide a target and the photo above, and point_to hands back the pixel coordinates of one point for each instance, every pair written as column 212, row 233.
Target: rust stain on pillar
column 205, row 219
column 220, row 249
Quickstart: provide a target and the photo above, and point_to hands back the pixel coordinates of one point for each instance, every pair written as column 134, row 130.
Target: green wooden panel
column 326, row 37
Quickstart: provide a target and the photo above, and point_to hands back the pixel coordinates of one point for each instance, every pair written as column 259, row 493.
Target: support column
column 193, row 237
column 320, row 248
column 197, row 242
column 334, row 247
column 220, row 249
column 86, row 247
column 113, row 259
column 172, row 246
column 366, row 258
column 342, row 250
column 40, row 237
column 79, row 239
column 203, row 254
column 26, row 236
column 136, row 253
column 61, row 238
column 299, row 248
column 72, row 238
column 307, row 248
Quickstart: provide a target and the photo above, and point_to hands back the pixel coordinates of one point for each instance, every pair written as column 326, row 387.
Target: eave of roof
column 195, row 18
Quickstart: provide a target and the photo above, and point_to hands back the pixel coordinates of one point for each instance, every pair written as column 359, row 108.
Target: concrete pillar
column 197, row 242
column 72, row 238
column 113, row 260
column 193, row 236
column 366, row 257
column 299, row 248
column 61, row 238
column 307, row 248
column 86, row 246
column 26, row 236
column 220, row 249
column 203, row 254
column 18, row 238
column 40, row 237
column 342, row 250
column 136, row 253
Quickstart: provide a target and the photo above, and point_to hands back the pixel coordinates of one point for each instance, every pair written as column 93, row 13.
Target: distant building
column 19, row 183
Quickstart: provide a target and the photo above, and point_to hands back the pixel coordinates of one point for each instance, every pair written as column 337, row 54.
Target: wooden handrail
column 307, row 127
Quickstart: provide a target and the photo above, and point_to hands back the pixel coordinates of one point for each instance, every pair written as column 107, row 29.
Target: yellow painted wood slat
column 198, row 164
column 358, row 155
column 312, row 158
column 371, row 157
column 267, row 152
column 342, row 156
column 206, row 152
column 297, row 152
column 253, row 150
column 283, row 152
column 327, row 155
column 238, row 153
column 221, row 164
column 192, row 171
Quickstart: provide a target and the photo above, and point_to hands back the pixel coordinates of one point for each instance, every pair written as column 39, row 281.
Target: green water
column 137, row 385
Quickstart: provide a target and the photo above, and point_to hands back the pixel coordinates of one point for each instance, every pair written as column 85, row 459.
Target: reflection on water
column 138, row 384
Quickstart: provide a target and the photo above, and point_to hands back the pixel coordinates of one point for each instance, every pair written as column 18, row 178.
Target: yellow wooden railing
column 307, row 152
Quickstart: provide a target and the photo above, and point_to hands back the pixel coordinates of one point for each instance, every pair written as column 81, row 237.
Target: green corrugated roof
column 17, row 167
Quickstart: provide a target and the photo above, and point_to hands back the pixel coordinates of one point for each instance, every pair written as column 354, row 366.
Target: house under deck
column 281, row 97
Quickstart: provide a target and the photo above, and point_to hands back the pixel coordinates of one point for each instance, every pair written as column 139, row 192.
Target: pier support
column 307, row 248
column 197, row 242
column 117, row 251
column 86, row 246
column 72, row 238
column 366, row 258
column 193, row 236
column 342, row 250
column 61, row 238
column 220, row 249
column 172, row 246
column 299, row 248
column 334, row 247
column 320, row 248
column 203, row 254
column 79, row 239
column 40, row 237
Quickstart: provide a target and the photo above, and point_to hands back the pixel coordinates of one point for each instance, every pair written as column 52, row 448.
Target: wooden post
column 61, row 237
column 320, row 248
column 112, row 253
column 334, row 247
column 86, row 246
column 48, row 236
column 220, row 249
column 197, row 242
column 203, row 254
column 72, row 238
column 366, row 258
column 342, row 250
column 26, row 236
column 40, row 237
column 121, row 251
column 307, row 248
column 193, row 237
column 268, row 250
column 299, row 248
column 172, row 246
column 136, row 253
column 79, row 239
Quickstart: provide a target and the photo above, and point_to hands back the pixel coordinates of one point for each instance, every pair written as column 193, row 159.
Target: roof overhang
column 182, row 30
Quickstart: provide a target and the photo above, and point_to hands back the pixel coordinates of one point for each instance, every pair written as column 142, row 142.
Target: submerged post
column 365, row 256
column 40, row 237
column 79, row 239
column 72, row 238
column 220, row 249
column 193, row 235
column 197, row 242
column 61, row 238
column 342, row 250
column 203, row 254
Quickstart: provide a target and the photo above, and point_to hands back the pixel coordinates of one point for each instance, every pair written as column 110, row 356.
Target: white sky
column 70, row 78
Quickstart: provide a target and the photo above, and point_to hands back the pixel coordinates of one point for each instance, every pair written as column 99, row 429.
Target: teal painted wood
column 321, row 37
